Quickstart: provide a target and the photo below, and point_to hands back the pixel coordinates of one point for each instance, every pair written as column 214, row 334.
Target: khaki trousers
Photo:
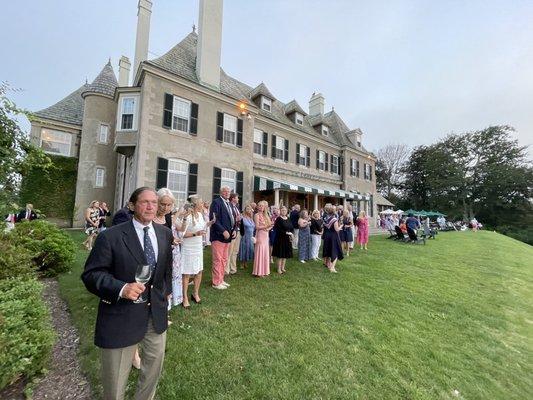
column 116, row 367
column 235, row 244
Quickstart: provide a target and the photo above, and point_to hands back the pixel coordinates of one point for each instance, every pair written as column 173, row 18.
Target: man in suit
column 221, row 233
column 122, row 215
column 27, row 214
column 121, row 323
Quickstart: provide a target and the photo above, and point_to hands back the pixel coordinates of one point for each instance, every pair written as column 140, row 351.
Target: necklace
column 159, row 220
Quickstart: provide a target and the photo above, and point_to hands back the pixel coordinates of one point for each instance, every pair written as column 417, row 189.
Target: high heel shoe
column 194, row 299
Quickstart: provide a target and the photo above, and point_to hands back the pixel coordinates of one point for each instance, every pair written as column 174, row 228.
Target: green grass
column 397, row 322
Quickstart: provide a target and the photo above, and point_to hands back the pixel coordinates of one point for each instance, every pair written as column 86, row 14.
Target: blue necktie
column 149, row 252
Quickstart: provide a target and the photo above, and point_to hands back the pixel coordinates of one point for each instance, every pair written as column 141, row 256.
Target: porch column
column 345, row 202
column 315, row 202
column 276, row 197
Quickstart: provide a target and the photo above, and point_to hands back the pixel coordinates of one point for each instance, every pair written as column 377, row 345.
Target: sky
column 402, row 71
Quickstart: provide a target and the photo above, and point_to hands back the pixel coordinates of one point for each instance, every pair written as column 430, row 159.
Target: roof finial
column 332, row 108
column 109, row 61
column 193, row 28
column 86, row 81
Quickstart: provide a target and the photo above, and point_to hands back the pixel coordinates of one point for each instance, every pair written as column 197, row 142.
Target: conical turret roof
column 105, row 83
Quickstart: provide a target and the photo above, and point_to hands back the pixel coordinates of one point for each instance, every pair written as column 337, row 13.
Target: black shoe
column 193, row 299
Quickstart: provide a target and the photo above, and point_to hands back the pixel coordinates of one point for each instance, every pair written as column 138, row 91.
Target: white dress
column 177, row 291
column 192, row 249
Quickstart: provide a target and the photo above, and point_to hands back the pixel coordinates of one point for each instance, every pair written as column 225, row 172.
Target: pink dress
column 362, row 230
column 261, row 251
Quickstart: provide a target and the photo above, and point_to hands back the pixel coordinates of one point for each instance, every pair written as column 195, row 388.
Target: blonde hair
column 315, row 212
column 194, row 202
column 329, row 208
column 91, row 204
column 347, row 213
column 362, row 214
column 264, row 203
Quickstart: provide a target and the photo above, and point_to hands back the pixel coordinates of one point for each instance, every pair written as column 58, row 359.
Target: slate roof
column 181, row 61
column 105, row 83
column 259, row 90
column 68, row 110
column 382, row 201
column 293, row 106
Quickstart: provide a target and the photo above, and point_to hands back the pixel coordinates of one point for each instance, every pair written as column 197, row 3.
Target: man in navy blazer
column 121, row 324
column 221, row 234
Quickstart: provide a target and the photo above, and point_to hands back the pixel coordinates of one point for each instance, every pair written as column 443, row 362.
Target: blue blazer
column 222, row 223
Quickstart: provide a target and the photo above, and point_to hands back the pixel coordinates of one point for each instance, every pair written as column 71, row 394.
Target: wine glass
column 142, row 275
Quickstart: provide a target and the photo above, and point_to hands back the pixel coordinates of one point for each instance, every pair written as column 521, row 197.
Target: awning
column 264, row 183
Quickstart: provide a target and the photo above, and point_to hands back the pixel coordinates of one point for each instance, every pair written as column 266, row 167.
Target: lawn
column 452, row 319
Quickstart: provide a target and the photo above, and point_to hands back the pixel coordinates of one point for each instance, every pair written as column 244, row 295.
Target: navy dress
column 346, row 233
column 282, row 247
column 332, row 244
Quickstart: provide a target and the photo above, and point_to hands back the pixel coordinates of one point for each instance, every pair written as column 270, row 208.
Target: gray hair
column 225, row 187
column 166, row 192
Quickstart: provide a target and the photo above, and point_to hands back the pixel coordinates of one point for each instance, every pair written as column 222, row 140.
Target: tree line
column 484, row 174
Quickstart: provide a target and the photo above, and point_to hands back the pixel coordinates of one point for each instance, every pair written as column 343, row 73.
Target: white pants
column 315, row 245
column 350, row 244
column 295, row 238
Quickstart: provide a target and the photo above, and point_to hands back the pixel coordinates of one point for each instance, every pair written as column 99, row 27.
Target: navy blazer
column 222, row 223
column 111, row 264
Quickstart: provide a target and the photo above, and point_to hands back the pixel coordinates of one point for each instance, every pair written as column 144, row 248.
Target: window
column 181, row 110
column 368, row 172
column 177, row 179
column 258, row 141
column 358, row 140
column 266, row 103
column 56, row 142
column 280, row 148
column 103, row 134
column 230, row 129
column 325, row 130
column 321, row 160
column 334, row 164
column 127, row 113
column 100, row 177
column 354, row 166
column 228, row 177
column 302, row 155
column 299, row 118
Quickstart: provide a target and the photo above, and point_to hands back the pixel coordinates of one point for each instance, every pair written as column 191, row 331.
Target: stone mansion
column 183, row 123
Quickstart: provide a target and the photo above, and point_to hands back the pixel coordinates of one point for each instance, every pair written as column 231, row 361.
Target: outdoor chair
column 400, row 235
column 429, row 233
column 414, row 238
column 392, row 234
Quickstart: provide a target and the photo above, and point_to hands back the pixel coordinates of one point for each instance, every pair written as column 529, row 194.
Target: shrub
column 15, row 261
column 52, row 249
column 26, row 334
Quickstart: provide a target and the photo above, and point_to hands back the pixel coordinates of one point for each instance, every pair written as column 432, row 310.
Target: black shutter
column 239, row 188
column 220, row 126
column 273, row 155
column 317, row 159
column 357, row 167
column 297, row 153
column 370, row 172
column 308, row 157
column 326, row 159
column 239, row 132
column 217, row 174
column 167, row 111
column 331, row 162
column 351, row 167
column 162, row 173
column 265, row 144
column 286, row 156
column 341, row 165
column 194, row 119
column 193, row 179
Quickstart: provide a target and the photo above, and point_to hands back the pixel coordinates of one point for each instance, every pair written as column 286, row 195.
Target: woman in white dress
column 192, row 254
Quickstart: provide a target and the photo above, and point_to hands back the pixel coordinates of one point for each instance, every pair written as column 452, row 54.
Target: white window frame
column 229, row 134
column 177, row 101
column 135, row 113
column 303, row 155
column 227, row 180
column 336, row 165
column 298, row 118
column 325, row 130
column 322, row 164
column 106, row 139
column 258, row 134
column 367, row 172
column 265, row 101
column 99, row 179
column 54, row 131
column 353, row 167
column 280, row 140
column 180, row 195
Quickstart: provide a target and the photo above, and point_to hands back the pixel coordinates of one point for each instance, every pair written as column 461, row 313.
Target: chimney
column 143, row 33
column 316, row 104
column 124, row 67
column 209, row 43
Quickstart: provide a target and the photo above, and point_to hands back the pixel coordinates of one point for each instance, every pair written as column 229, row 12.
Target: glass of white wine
column 142, row 275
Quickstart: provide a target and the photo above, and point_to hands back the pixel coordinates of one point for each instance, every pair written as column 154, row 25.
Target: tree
column 17, row 154
column 389, row 167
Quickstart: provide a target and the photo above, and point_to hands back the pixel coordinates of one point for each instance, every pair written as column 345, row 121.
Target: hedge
column 15, row 260
column 52, row 192
column 26, row 334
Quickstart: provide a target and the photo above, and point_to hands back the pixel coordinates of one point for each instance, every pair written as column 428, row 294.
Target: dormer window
column 325, row 130
column 298, row 118
column 358, row 140
column 266, row 104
